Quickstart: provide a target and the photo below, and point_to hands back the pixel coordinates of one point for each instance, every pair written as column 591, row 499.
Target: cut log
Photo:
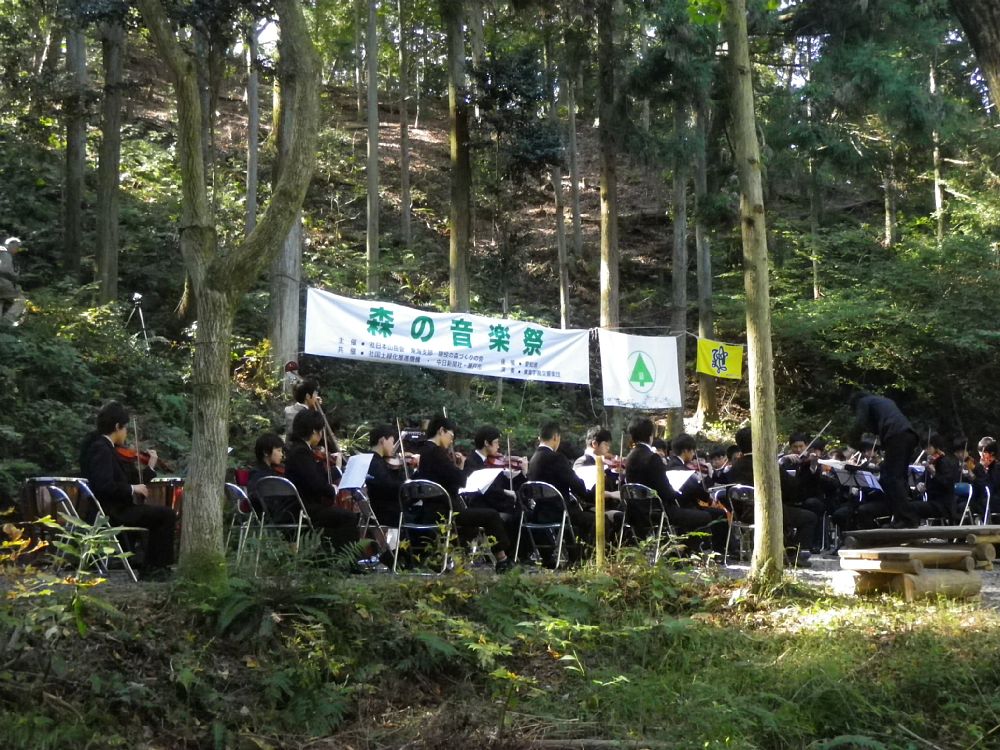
column 871, row 537
column 956, row 584
column 931, row 557
column 883, row 566
column 982, row 538
column 979, row 551
column 861, row 583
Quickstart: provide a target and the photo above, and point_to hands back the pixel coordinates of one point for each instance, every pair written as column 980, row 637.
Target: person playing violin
column 108, row 476
column 384, row 480
column 269, row 452
column 499, row 496
column 816, row 490
column 438, row 463
column 599, row 444
column 943, row 471
column 307, row 397
column 549, row 464
column 340, row 527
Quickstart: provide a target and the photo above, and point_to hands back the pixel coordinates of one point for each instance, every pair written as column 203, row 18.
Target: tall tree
column 605, row 15
column 76, row 149
column 253, row 123
column 768, row 554
column 371, row 51
column 679, row 266
column 404, row 125
column 220, row 277
column 981, row 21
column 112, row 34
column 557, row 191
column 708, row 407
column 461, row 165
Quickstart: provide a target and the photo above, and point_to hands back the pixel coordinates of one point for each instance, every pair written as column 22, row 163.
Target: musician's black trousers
column 160, row 522
column 898, row 451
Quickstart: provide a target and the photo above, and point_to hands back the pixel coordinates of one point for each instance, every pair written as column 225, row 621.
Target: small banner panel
column 639, row 372
column 720, row 360
column 455, row 342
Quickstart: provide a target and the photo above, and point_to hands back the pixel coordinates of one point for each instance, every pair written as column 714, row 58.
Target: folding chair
column 542, row 496
column 739, row 498
column 244, row 517
column 963, row 494
column 281, row 503
column 368, row 522
column 417, row 498
column 640, row 499
column 71, row 495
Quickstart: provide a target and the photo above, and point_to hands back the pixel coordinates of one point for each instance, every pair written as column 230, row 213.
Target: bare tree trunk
column 404, row 127
column 371, row 53
column 421, row 66
column 644, row 112
column 678, row 319
column 609, row 175
column 52, row 55
column 815, row 209
column 76, row 151
column 574, row 169
column 220, row 279
column 461, row 169
column 358, row 70
column 476, row 42
column 768, row 554
column 113, row 51
column 980, row 20
column 889, row 190
column 708, row 406
column 253, row 125
column 938, row 184
column 557, row 192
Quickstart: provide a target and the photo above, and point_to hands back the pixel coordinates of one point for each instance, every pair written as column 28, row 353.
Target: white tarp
column 456, row 342
column 639, row 372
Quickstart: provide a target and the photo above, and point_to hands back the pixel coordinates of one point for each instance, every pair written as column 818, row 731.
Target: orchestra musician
column 383, row 481
column 107, row 473
column 269, row 452
column 339, row 526
column 941, row 474
column 882, row 417
column 645, row 466
column 599, row 444
column 799, row 523
column 548, row 464
column 439, row 463
column 499, row 496
column 816, row 489
column 987, row 482
column 307, row 397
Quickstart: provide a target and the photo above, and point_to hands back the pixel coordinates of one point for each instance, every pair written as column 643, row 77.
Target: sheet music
column 356, row 471
column 678, row 478
column 588, row 474
column 480, row 481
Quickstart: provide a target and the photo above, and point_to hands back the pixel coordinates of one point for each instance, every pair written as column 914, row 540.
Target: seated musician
column 662, row 449
column 438, row 465
column 645, row 466
column 548, row 464
column 719, row 462
column 989, row 480
column 799, row 523
column 500, row 495
column 383, row 481
column 107, row 473
column 307, row 398
column 941, row 475
column 980, row 479
column 339, row 526
column 599, row 444
column 815, row 489
column 269, row 451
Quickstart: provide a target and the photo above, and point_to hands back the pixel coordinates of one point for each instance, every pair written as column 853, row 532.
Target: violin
column 500, row 461
column 132, row 456
column 614, row 464
column 396, row 461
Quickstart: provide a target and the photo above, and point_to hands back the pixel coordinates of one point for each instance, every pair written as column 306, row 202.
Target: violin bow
column 822, row 430
column 138, row 463
column 402, row 453
column 510, row 465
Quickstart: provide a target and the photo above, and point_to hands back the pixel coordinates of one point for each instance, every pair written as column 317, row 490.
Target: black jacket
column 438, row 466
column 692, row 490
column 880, row 415
column 645, row 466
column 741, row 472
column 106, row 474
column 304, row 471
column 382, row 485
column 494, row 497
column 547, row 465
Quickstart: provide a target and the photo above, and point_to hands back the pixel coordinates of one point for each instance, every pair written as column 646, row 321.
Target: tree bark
column 889, row 195
column 557, row 192
column 608, row 158
column 574, row 167
column 76, row 151
column 220, row 279
column 461, row 170
column 936, row 160
column 253, row 126
column 708, row 406
column 679, row 274
column 981, row 21
column 113, row 51
column 371, row 52
column 404, row 127
column 358, row 68
column 768, row 555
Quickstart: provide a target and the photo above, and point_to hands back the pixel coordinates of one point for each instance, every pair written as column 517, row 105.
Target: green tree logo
column 642, row 372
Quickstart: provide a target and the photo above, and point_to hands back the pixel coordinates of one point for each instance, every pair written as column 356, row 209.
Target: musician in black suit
column 799, row 523
column 549, row 465
column 108, row 478
column 599, row 444
column 439, row 464
column 340, row 527
column 383, row 481
column 269, row 450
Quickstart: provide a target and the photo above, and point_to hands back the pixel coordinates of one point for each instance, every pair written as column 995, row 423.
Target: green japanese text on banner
column 455, row 342
column 639, row 372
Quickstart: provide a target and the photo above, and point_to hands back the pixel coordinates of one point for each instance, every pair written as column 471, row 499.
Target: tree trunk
column 113, row 51
column 608, row 156
column 981, row 21
column 644, row 111
column 371, row 53
column 220, row 279
column 476, row 42
column 404, row 127
column 76, row 151
column 768, row 555
column 358, row 68
column 461, row 171
column 253, row 125
column 815, row 209
column 889, row 190
column 936, row 158
column 557, row 192
column 708, row 406
column 574, row 168
column 679, row 274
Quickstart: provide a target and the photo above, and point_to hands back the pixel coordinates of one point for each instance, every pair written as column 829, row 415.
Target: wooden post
column 599, row 511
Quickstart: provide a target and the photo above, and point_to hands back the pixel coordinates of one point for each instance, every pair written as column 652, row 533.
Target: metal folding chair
column 244, row 518
column 640, row 499
column 534, row 497
column 415, row 496
column 283, row 509
column 963, row 494
column 739, row 498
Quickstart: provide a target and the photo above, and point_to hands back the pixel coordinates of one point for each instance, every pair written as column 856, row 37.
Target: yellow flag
column 720, row 360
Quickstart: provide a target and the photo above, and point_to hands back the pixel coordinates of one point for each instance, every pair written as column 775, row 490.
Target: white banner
column 639, row 372
column 456, row 342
